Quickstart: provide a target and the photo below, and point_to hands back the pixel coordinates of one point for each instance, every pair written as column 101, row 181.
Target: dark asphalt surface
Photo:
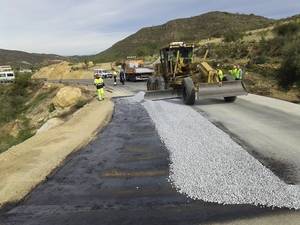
column 119, row 178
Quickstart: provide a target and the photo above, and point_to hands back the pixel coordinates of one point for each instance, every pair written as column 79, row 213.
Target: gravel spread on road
column 207, row 164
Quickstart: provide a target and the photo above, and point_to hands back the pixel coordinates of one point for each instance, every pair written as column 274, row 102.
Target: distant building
column 5, row 68
column 25, row 71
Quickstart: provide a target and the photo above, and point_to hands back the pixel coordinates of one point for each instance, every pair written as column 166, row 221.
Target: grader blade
column 162, row 94
column 226, row 89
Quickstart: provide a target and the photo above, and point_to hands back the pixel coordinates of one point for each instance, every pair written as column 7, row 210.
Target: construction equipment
column 178, row 76
column 135, row 70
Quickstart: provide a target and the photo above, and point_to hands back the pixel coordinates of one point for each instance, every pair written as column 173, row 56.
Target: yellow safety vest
column 99, row 83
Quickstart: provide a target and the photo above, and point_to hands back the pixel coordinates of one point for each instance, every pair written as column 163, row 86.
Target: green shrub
column 260, row 59
column 51, row 108
column 288, row 29
column 232, row 36
column 289, row 72
column 14, row 97
column 22, row 81
column 80, row 103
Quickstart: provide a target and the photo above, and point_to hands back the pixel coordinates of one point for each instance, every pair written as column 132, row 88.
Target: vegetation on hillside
column 13, row 100
column 275, row 61
column 147, row 41
column 17, row 101
column 28, row 104
column 289, row 72
column 13, row 97
column 20, row 59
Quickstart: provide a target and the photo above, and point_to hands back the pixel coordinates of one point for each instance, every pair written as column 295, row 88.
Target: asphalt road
column 120, row 178
column 269, row 129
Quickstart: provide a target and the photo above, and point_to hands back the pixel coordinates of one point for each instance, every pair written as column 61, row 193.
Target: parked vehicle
column 7, row 75
column 103, row 73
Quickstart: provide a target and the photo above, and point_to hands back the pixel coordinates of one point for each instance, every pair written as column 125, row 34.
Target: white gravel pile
column 206, row 164
column 139, row 97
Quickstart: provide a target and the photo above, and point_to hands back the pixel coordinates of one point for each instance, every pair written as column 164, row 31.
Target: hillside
column 64, row 70
column 214, row 24
column 29, row 106
column 25, row 59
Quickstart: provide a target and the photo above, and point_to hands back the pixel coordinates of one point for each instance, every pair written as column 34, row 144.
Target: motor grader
column 177, row 75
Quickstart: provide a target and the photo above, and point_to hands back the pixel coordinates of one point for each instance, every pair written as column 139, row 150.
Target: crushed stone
column 207, row 164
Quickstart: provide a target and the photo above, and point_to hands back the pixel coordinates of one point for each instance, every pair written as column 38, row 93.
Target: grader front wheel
column 188, row 91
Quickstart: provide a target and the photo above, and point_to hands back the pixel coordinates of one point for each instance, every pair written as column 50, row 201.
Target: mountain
column 148, row 40
column 25, row 59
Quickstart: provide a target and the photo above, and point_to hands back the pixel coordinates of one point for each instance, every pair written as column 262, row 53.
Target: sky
column 81, row 27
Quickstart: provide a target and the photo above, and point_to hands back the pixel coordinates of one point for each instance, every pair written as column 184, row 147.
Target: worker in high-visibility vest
column 99, row 83
column 220, row 73
column 239, row 74
column 235, row 73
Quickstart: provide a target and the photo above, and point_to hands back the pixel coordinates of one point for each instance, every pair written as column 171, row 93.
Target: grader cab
column 177, row 75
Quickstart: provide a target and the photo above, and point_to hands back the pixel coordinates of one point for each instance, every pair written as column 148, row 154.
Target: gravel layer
column 207, row 164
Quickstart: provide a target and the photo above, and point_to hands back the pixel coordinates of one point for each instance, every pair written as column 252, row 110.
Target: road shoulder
column 26, row 165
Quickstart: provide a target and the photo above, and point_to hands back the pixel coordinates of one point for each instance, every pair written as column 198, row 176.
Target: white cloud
column 89, row 26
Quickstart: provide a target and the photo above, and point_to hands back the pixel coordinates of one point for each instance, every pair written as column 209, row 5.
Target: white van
column 7, row 77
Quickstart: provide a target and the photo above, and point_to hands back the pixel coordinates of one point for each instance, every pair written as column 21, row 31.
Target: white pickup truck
column 7, row 75
column 103, row 73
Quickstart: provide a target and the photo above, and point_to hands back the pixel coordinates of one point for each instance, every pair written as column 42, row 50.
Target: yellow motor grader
column 178, row 76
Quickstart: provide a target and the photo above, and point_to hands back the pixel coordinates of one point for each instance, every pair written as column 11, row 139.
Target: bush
column 14, row 97
column 288, row 29
column 289, row 72
column 232, row 36
column 51, row 108
column 22, row 81
column 81, row 103
column 260, row 59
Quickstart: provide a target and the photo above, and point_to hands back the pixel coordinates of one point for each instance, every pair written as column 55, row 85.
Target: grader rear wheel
column 153, row 84
column 150, row 84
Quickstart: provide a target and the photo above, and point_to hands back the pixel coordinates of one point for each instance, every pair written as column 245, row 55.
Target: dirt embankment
column 64, row 70
column 50, row 101
column 24, row 166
